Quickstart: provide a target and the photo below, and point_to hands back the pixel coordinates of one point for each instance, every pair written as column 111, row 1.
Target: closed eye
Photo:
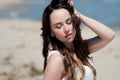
column 58, row 25
column 69, row 21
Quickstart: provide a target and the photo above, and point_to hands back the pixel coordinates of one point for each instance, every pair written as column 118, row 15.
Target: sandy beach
column 21, row 49
column 21, row 52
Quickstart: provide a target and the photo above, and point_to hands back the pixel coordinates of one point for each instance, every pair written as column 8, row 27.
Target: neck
column 70, row 46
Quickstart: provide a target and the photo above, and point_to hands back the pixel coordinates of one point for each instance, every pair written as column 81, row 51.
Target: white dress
column 88, row 71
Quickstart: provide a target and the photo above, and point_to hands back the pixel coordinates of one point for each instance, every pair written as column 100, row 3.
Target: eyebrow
column 68, row 19
column 57, row 23
column 60, row 22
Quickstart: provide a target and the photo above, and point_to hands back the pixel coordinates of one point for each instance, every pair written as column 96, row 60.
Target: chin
column 70, row 41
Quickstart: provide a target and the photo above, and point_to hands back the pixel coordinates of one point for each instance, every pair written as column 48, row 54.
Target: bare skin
column 61, row 26
column 55, row 67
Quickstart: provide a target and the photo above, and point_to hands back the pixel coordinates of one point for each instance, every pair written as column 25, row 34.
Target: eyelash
column 59, row 26
column 68, row 22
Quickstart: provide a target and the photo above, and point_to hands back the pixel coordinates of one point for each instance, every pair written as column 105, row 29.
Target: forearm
column 104, row 33
column 100, row 29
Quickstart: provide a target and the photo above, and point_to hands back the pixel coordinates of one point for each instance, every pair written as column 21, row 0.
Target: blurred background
column 21, row 43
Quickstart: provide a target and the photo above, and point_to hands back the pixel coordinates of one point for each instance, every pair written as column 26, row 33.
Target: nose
column 66, row 29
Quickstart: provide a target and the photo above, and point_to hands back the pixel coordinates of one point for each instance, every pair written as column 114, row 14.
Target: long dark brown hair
column 80, row 46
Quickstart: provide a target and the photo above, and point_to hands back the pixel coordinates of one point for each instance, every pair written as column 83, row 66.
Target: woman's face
column 62, row 26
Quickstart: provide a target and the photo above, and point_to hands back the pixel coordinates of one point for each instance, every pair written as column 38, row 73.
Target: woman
column 66, row 53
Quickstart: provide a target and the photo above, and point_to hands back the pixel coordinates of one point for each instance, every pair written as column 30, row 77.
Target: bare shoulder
column 56, row 57
column 54, row 68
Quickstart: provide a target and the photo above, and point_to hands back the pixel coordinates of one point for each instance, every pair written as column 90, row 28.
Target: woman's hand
column 75, row 11
column 70, row 2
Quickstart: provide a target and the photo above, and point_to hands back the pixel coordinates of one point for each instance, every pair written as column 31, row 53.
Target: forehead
column 59, row 15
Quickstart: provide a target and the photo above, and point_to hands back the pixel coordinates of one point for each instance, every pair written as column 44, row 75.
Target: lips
column 68, row 36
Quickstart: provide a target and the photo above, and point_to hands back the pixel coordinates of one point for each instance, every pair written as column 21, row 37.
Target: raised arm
column 104, row 33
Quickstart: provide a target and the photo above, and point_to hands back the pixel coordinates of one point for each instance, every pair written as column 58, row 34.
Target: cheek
column 57, row 33
column 73, row 28
column 74, row 31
